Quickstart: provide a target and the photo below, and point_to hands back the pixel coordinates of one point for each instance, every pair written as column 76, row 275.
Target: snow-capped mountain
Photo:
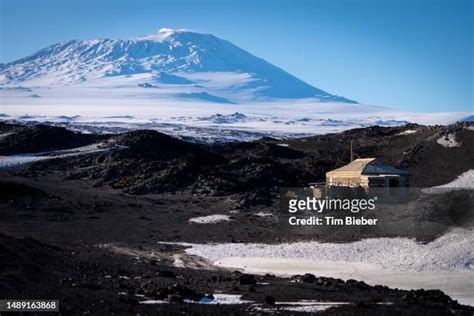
column 179, row 82
column 184, row 64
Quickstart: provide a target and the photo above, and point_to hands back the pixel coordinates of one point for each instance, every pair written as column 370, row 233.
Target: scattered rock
column 270, row 300
column 247, row 279
column 308, row 278
column 166, row 274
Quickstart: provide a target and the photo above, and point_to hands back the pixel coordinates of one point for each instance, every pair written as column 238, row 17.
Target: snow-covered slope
column 197, row 65
column 447, row 263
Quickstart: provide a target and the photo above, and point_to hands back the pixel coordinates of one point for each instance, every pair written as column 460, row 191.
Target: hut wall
column 347, row 181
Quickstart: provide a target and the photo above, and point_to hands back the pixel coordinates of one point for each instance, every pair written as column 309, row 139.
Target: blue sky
column 406, row 54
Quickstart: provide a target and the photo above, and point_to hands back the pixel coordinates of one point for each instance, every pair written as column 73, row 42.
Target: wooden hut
column 367, row 173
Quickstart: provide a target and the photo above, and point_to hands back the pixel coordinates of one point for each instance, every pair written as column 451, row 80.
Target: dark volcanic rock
column 179, row 292
column 17, row 191
column 25, row 264
column 166, row 274
column 42, row 138
column 270, row 300
column 428, row 297
column 308, row 278
column 147, row 144
column 431, row 164
column 247, row 279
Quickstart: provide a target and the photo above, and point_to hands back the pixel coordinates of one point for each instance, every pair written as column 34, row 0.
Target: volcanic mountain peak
column 206, row 64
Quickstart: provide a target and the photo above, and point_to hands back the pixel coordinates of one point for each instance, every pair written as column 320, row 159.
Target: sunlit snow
column 210, row 219
column 446, row 263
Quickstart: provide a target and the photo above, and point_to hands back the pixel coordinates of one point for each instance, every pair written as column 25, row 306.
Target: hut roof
column 366, row 166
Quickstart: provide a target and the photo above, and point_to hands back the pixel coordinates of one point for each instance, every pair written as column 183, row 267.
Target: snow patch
column 210, row 219
column 18, row 160
column 5, row 135
column 408, row 132
column 306, row 306
column 264, row 214
column 448, row 141
column 154, row 302
column 309, row 306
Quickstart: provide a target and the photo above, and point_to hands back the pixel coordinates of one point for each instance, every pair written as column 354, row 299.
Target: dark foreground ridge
column 84, row 229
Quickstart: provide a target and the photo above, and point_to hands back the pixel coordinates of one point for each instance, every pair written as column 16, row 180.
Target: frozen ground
column 213, row 121
column 451, row 252
column 446, row 263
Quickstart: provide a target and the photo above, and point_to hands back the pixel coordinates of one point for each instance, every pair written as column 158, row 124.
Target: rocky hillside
column 16, row 139
column 151, row 162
